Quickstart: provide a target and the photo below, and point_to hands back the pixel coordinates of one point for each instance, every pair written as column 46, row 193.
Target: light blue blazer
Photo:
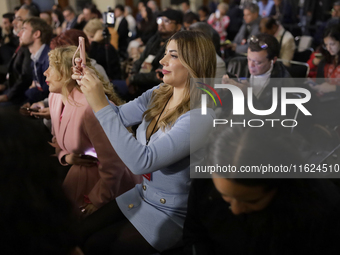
column 156, row 208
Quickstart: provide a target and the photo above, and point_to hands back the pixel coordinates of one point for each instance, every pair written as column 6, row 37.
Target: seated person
column 249, row 215
column 220, row 21
column 97, row 174
column 285, row 38
column 262, row 65
column 149, row 218
column 328, row 89
column 143, row 75
column 106, row 57
column 8, row 42
column 250, row 27
column 35, row 212
column 19, row 76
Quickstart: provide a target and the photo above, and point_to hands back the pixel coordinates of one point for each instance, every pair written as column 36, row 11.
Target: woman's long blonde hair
column 197, row 54
column 61, row 59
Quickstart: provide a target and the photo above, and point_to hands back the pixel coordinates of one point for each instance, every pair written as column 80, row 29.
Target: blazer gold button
column 144, row 187
column 162, row 200
column 130, row 206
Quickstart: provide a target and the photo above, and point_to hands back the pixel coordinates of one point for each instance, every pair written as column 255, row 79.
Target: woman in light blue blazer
column 149, row 218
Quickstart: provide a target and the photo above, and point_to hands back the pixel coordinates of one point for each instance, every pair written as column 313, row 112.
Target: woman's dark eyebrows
column 172, row 51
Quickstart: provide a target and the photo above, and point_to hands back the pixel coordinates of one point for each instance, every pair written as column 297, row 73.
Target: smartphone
column 82, row 50
column 318, row 55
column 30, row 109
column 313, row 83
column 88, row 157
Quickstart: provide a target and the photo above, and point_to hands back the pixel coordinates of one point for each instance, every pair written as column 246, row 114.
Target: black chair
column 298, row 69
column 303, row 56
column 239, row 66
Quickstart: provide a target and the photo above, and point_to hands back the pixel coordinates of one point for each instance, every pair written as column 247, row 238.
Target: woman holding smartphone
column 97, row 174
column 149, row 218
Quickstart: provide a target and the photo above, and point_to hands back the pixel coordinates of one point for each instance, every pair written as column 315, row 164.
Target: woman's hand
column 78, row 159
column 324, row 88
column 43, row 113
column 87, row 210
column 91, row 86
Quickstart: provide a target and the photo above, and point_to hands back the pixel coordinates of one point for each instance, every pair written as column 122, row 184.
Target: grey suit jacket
column 242, row 48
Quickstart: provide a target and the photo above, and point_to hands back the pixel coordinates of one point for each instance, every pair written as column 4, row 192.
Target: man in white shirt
column 285, row 38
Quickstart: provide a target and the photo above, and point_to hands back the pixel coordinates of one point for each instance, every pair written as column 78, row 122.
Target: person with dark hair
column 58, row 20
column 35, row 8
column 250, row 27
column 185, row 7
column 148, row 25
column 149, row 218
column 284, row 12
column 238, row 215
column 203, row 13
column 328, row 112
column 272, row 27
column 188, row 19
column 262, row 65
column 122, row 28
column 90, row 11
column 145, row 30
column 36, row 216
column 19, row 76
column 143, row 75
column 71, row 20
column 36, row 35
column 329, row 67
column 235, row 14
column 8, row 41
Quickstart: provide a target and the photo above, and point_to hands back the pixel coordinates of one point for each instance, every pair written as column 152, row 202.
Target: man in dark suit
column 71, row 20
column 36, row 35
column 19, row 76
column 122, row 29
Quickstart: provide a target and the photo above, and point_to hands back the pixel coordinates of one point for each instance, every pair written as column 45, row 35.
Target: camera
column 109, row 17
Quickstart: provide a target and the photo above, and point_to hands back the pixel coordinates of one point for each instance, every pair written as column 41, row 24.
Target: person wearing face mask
column 233, row 215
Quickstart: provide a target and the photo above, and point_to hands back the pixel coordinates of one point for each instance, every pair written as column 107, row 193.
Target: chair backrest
column 303, row 56
column 238, row 66
column 305, row 42
column 298, row 69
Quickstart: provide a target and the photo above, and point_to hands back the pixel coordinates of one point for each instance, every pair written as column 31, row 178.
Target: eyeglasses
column 166, row 21
column 254, row 39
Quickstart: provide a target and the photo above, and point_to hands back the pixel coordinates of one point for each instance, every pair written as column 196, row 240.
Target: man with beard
column 143, row 75
column 19, row 76
column 36, row 35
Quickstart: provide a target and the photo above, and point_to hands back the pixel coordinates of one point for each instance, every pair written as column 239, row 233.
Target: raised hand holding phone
column 78, row 63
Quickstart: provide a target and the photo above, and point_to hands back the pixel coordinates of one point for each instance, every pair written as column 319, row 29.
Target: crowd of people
column 126, row 123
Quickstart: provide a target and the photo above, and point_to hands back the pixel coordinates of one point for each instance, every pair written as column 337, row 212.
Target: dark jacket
column 98, row 52
column 20, row 76
column 301, row 219
column 145, row 81
column 37, row 94
column 123, row 32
